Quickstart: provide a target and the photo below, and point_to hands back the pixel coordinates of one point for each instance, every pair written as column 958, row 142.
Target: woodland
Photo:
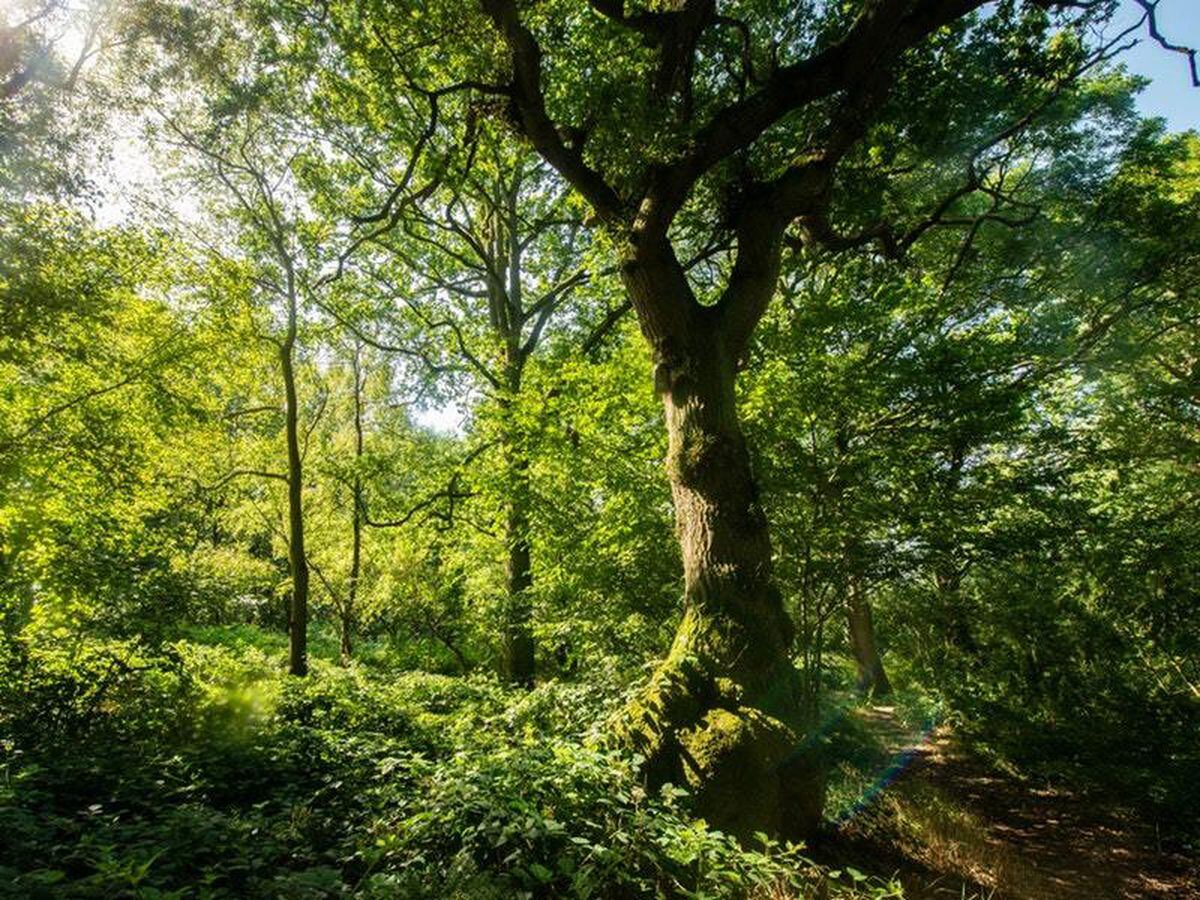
column 597, row 448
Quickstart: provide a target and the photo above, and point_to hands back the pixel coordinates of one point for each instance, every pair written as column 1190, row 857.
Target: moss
column 676, row 697
column 732, row 764
column 733, row 742
column 729, row 692
column 709, row 638
column 697, row 452
column 705, row 458
column 745, row 733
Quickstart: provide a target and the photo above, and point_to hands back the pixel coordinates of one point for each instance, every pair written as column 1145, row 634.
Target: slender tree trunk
column 518, row 571
column 297, row 558
column 518, row 633
column 872, row 679
column 955, row 618
column 348, row 612
column 723, row 713
column 464, row 664
column 346, row 648
column 507, row 317
column 948, row 570
column 347, row 625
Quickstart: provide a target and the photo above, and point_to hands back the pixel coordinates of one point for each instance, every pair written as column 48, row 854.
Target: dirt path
column 951, row 826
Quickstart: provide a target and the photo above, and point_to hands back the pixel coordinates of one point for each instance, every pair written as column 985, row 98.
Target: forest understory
column 220, row 777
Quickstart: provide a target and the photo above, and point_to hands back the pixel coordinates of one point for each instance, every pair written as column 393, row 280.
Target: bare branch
column 163, row 353
column 1150, row 18
column 450, row 493
column 242, row 473
column 607, row 324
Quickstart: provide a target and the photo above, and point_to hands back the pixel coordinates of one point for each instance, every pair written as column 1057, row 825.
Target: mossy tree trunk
column 723, row 714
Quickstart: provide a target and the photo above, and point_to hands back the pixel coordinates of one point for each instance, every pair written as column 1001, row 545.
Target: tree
column 248, row 120
column 237, row 155
column 42, row 129
column 349, row 610
column 751, row 132
column 96, row 366
column 501, row 250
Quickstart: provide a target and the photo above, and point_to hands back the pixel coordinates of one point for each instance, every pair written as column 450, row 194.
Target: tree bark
column 860, row 625
column 507, row 318
column 518, row 632
column 948, row 567
column 347, row 618
column 297, row 558
column 872, row 679
column 346, row 638
column 518, row 643
column 723, row 713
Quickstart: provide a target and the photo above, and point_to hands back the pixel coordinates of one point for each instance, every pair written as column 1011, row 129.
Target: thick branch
column 1151, row 8
column 881, row 33
column 526, row 58
column 607, row 324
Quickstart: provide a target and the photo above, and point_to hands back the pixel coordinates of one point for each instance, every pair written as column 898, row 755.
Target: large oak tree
column 690, row 124
column 706, row 141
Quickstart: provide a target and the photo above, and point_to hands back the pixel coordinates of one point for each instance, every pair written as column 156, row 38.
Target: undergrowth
column 200, row 770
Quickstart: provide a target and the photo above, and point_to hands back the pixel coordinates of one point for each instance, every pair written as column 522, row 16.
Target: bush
column 556, row 818
column 198, row 769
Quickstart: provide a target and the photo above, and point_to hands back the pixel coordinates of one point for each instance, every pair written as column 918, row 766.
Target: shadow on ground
column 946, row 824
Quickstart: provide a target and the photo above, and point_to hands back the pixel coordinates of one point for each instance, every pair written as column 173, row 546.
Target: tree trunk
column 347, row 619
column 346, row 649
column 948, row 569
column 518, row 647
column 297, row 558
column 518, row 615
column 955, row 618
column 346, row 635
column 872, row 679
column 723, row 713
column 508, row 315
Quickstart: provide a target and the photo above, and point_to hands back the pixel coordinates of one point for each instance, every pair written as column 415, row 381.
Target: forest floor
column 946, row 823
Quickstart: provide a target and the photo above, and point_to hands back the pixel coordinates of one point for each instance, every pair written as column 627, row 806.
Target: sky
column 1170, row 93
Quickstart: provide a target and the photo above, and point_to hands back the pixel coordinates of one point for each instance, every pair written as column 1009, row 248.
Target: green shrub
column 201, row 769
column 549, row 817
